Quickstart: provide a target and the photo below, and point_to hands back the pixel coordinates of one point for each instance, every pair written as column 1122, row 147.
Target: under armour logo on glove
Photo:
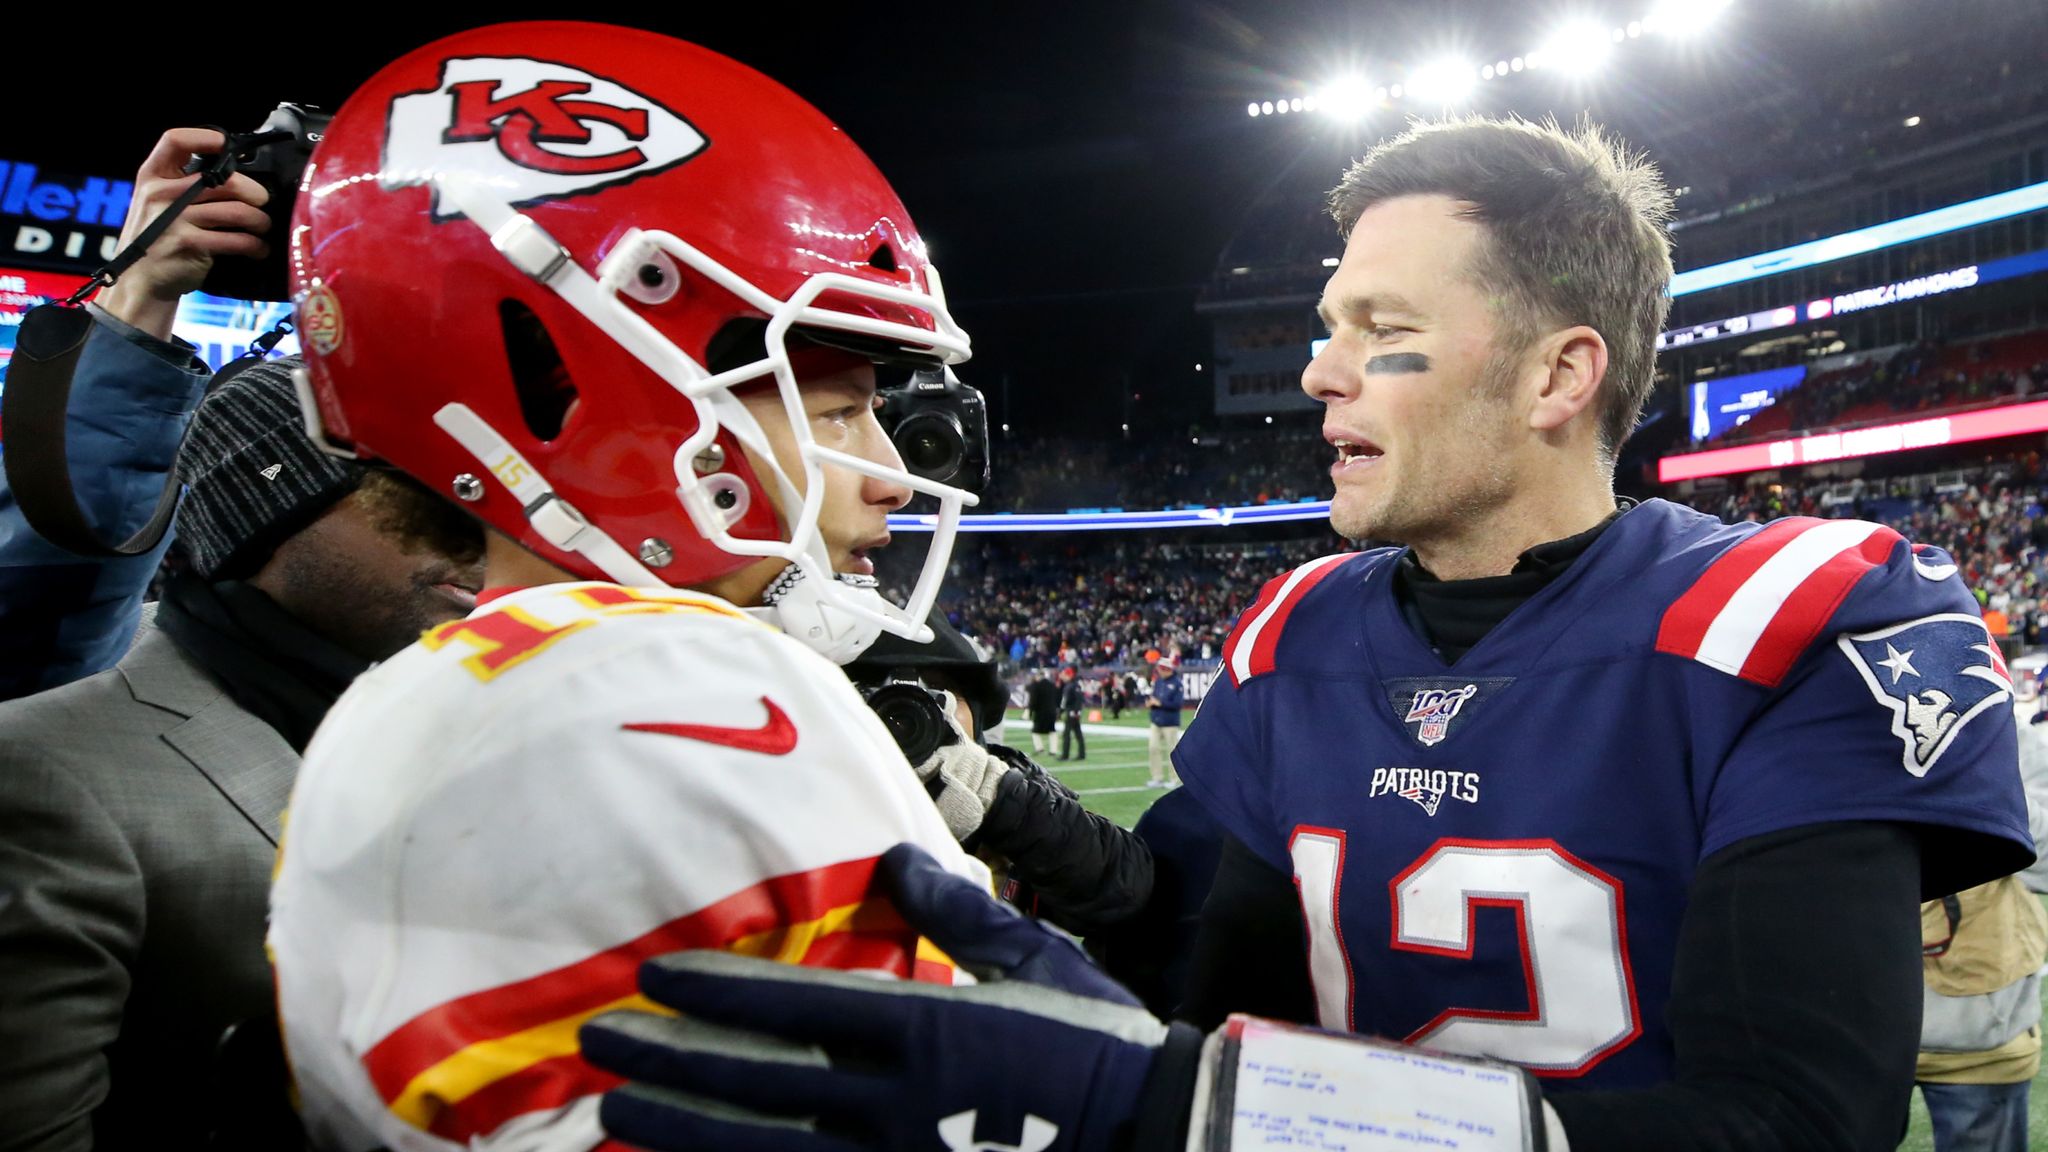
column 957, row 1131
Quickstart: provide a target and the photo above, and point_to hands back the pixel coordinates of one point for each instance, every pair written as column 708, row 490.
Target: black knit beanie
column 251, row 476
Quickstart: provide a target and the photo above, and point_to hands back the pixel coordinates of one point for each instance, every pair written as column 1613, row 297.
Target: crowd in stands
column 1105, row 599
column 1920, row 378
column 1281, row 464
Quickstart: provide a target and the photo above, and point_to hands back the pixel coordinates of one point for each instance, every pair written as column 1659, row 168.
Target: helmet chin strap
column 800, row 605
column 553, row 518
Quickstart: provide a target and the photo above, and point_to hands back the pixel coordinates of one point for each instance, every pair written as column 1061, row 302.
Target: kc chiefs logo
column 534, row 128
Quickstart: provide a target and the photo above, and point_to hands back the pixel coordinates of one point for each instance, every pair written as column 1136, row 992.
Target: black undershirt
column 1795, row 998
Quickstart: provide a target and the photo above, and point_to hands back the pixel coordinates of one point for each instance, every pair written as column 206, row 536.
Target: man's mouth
column 1352, row 452
column 858, row 560
column 462, row 591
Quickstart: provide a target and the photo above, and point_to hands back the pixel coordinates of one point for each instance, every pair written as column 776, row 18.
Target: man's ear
column 1574, row 361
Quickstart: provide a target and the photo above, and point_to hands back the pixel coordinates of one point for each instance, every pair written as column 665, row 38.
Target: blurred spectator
column 1166, row 701
column 1113, row 695
column 1042, row 701
column 1980, row 1030
column 1072, row 738
column 140, row 807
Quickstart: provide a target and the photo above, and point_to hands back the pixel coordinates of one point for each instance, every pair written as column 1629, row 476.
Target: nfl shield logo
column 1435, row 708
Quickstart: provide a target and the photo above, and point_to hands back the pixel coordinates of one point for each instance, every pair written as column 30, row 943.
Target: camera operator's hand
column 224, row 221
column 961, row 777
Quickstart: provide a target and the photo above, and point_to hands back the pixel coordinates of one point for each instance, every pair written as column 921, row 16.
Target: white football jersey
column 495, row 827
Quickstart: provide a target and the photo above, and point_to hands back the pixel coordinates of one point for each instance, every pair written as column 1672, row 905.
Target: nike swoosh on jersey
column 777, row 737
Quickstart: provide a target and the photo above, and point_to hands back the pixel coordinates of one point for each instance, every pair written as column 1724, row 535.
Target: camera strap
column 38, row 394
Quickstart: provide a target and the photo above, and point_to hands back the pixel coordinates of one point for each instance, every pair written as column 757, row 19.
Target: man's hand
column 1046, row 1054
column 961, row 776
column 224, row 221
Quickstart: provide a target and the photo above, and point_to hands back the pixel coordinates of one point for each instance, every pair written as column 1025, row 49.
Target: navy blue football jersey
column 1493, row 856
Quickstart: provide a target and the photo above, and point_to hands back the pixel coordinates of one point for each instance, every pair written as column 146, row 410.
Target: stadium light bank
column 1576, row 50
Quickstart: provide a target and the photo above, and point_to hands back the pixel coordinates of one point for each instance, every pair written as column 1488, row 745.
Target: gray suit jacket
column 139, row 816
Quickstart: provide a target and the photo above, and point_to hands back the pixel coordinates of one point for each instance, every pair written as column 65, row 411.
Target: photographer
column 1065, row 864
column 63, row 616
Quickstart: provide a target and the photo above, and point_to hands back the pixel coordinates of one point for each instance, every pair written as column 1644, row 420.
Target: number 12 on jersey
column 1573, row 943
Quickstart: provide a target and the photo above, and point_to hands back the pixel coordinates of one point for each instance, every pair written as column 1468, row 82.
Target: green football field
column 1112, row 781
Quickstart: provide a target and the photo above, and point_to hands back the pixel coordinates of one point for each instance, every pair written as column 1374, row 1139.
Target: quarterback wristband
column 1263, row 1084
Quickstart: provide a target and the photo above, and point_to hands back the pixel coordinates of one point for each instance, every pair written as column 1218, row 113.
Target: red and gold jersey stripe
column 465, row 1067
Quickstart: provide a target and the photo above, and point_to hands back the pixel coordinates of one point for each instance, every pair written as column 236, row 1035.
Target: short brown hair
column 1575, row 234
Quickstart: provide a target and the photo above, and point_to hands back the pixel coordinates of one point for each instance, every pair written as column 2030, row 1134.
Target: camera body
column 940, row 428
column 914, row 714
column 274, row 156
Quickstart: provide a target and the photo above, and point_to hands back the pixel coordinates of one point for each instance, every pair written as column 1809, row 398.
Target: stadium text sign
column 60, row 221
column 1913, row 289
column 2010, row 420
column 1785, row 316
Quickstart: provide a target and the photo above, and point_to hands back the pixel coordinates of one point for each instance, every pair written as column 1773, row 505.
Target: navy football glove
column 1046, row 1055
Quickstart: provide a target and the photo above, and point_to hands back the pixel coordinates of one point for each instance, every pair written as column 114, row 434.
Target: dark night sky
column 1077, row 167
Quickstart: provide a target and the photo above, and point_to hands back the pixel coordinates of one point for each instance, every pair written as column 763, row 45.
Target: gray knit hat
column 251, row 476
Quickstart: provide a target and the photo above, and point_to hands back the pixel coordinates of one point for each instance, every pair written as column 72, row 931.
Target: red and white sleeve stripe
column 1756, row 610
column 1249, row 650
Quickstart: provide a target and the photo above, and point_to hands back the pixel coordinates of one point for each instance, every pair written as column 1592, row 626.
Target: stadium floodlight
column 1912, row 121
column 1500, row 68
column 1577, row 49
column 1635, row 29
column 1252, row 109
column 1517, row 64
column 1280, row 107
column 1266, row 107
column 1486, row 73
column 1329, row 261
column 1443, row 81
column 1346, row 98
column 1295, row 103
column 1684, row 17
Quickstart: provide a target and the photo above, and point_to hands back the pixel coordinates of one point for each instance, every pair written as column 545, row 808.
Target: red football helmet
column 523, row 215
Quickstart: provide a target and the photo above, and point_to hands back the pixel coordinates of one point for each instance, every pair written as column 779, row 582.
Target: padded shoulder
column 1761, row 597
column 1254, row 642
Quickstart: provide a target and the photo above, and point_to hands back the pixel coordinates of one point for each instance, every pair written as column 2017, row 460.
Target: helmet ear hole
column 729, row 495
column 539, row 376
column 883, row 259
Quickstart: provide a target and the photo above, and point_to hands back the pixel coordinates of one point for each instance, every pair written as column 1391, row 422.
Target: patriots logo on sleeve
column 1935, row 675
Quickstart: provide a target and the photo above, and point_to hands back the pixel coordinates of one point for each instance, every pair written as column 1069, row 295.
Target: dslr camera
column 274, row 156
column 939, row 427
column 914, row 714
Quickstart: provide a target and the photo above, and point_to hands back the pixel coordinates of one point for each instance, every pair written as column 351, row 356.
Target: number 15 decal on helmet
column 543, row 256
